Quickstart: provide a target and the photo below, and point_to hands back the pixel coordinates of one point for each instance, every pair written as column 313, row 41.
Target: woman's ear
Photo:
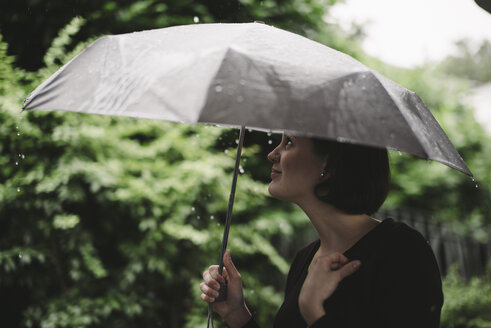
column 325, row 171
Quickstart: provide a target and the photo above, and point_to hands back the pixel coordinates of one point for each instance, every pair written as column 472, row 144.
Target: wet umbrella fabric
column 251, row 75
column 245, row 75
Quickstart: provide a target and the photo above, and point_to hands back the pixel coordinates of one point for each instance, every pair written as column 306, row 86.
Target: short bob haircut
column 358, row 176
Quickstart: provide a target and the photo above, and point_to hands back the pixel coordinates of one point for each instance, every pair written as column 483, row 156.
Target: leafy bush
column 467, row 304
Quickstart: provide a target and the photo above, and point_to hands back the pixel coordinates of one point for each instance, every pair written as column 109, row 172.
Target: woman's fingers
column 212, row 277
column 349, row 268
column 230, row 268
column 208, row 291
column 340, row 263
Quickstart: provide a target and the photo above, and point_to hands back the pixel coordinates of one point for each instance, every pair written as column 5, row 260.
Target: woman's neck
column 337, row 230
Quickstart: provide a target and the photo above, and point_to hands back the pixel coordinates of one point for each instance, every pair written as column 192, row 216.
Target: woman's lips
column 275, row 173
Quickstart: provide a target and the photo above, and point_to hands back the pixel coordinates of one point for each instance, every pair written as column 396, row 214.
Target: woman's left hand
column 324, row 275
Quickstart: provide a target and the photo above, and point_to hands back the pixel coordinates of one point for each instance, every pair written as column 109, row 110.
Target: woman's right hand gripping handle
column 233, row 310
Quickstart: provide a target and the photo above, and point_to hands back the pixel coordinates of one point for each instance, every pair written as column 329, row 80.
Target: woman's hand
column 233, row 310
column 323, row 278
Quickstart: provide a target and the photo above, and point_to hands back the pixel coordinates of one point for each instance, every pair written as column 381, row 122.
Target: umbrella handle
column 223, row 286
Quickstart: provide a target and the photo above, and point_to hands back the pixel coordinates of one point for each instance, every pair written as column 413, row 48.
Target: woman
column 360, row 272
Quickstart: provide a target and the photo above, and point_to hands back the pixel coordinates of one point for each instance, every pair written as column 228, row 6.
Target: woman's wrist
column 312, row 313
column 238, row 318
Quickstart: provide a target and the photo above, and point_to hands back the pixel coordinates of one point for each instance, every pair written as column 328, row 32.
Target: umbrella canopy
column 251, row 75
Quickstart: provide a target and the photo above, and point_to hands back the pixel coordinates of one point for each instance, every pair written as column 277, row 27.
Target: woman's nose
column 273, row 156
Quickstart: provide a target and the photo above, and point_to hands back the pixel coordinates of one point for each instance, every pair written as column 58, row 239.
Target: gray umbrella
column 245, row 75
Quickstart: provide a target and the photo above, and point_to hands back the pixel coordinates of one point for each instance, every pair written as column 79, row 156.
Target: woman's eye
column 288, row 141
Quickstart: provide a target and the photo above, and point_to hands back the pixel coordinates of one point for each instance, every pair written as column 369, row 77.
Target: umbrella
column 245, row 75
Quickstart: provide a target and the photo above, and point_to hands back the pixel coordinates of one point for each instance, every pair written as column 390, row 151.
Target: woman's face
column 297, row 168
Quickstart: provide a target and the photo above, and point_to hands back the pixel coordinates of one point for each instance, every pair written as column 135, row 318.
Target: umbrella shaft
column 231, row 199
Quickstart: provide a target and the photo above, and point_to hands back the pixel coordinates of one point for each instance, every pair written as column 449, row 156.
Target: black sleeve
column 410, row 285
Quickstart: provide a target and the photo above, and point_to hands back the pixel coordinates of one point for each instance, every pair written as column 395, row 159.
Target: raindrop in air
column 218, row 88
column 269, row 134
column 18, row 189
column 196, row 19
column 23, row 156
column 16, row 163
column 226, row 151
column 473, row 180
column 270, row 141
column 198, row 217
column 212, row 217
column 18, row 133
column 477, row 186
column 237, row 141
column 241, row 169
column 193, row 209
column 20, row 255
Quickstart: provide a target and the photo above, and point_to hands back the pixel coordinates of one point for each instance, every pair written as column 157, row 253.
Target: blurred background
column 109, row 222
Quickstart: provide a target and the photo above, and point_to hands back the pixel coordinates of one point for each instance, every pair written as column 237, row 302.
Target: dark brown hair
column 359, row 176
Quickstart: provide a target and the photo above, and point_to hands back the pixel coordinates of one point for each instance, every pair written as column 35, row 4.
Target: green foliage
column 467, row 304
column 109, row 222
column 474, row 65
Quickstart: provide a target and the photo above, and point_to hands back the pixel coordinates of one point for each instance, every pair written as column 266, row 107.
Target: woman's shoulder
column 400, row 240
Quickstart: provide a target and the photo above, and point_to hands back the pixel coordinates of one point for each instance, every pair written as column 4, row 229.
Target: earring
column 323, row 174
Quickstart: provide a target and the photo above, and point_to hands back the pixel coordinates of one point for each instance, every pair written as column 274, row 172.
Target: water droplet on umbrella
column 477, row 186
column 269, row 134
column 196, row 19
column 240, row 99
column 270, row 141
column 473, row 179
column 218, row 88
column 241, row 169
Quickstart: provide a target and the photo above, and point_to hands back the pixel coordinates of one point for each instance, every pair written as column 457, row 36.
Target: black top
column 397, row 285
